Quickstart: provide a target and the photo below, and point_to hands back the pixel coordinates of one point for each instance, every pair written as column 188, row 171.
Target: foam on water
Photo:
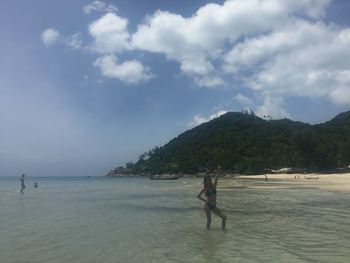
column 139, row 220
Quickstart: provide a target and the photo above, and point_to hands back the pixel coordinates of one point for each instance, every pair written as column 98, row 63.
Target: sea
column 102, row 220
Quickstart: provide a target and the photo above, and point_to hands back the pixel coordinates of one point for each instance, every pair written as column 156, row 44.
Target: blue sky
column 89, row 85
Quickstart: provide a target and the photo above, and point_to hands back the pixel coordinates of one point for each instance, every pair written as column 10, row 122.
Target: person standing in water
column 210, row 203
column 23, row 186
column 36, row 185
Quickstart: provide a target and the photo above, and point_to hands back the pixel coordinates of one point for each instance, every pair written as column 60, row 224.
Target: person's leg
column 207, row 213
column 220, row 214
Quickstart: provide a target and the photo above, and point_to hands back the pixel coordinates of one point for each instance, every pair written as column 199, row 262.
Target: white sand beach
column 332, row 182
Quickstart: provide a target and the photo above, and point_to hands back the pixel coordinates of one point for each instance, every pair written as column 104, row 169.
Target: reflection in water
column 209, row 244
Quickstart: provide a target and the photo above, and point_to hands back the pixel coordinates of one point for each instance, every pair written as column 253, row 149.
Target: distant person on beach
column 23, row 186
column 210, row 203
column 36, row 185
column 265, row 177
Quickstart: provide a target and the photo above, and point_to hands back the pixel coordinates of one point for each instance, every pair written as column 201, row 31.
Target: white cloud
column 130, row 72
column 110, row 34
column 210, row 81
column 254, row 50
column 301, row 59
column 214, row 24
column 341, row 95
column 196, row 66
column 198, row 42
column 273, row 106
column 275, row 48
column 244, row 100
column 75, row 42
column 199, row 119
column 49, row 36
column 99, row 6
column 202, row 72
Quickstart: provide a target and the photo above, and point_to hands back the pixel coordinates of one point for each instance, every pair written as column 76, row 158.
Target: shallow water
column 140, row 220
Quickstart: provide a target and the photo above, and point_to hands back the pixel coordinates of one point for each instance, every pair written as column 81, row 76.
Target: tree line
column 241, row 142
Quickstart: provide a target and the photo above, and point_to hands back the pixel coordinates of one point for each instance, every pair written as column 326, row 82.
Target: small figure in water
column 265, row 177
column 36, row 185
column 210, row 203
column 23, row 186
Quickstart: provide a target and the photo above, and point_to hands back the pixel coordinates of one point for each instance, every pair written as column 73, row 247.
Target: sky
column 86, row 86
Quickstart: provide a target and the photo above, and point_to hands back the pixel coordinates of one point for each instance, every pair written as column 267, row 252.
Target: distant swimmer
column 36, row 185
column 23, row 186
column 210, row 203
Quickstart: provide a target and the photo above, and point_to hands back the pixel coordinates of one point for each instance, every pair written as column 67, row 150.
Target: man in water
column 36, row 185
column 23, row 186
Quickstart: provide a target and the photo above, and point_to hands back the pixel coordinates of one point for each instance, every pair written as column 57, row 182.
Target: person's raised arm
column 216, row 179
column 217, row 176
column 199, row 196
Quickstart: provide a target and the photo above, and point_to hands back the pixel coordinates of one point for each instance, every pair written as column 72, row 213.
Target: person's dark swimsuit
column 209, row 193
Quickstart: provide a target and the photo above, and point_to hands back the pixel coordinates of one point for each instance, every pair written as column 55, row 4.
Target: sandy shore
column 331, row 182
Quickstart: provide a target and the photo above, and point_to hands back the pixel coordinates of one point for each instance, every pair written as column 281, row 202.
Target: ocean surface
column 139, row 220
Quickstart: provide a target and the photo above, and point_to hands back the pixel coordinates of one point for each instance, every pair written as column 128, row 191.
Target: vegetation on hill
column 244, row 143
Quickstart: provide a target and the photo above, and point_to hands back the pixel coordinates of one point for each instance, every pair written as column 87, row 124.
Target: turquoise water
column 139, row 220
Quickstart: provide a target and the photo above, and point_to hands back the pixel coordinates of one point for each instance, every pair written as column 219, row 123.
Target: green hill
column 244, row 143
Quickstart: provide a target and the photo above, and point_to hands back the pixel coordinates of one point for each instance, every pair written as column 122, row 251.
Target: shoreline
column 329, row 182
column 339, row 182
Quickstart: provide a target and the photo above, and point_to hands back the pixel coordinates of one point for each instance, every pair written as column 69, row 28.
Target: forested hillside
column 245, row 143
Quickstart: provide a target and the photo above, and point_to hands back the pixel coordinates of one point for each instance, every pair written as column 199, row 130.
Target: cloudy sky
column 89, row 85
